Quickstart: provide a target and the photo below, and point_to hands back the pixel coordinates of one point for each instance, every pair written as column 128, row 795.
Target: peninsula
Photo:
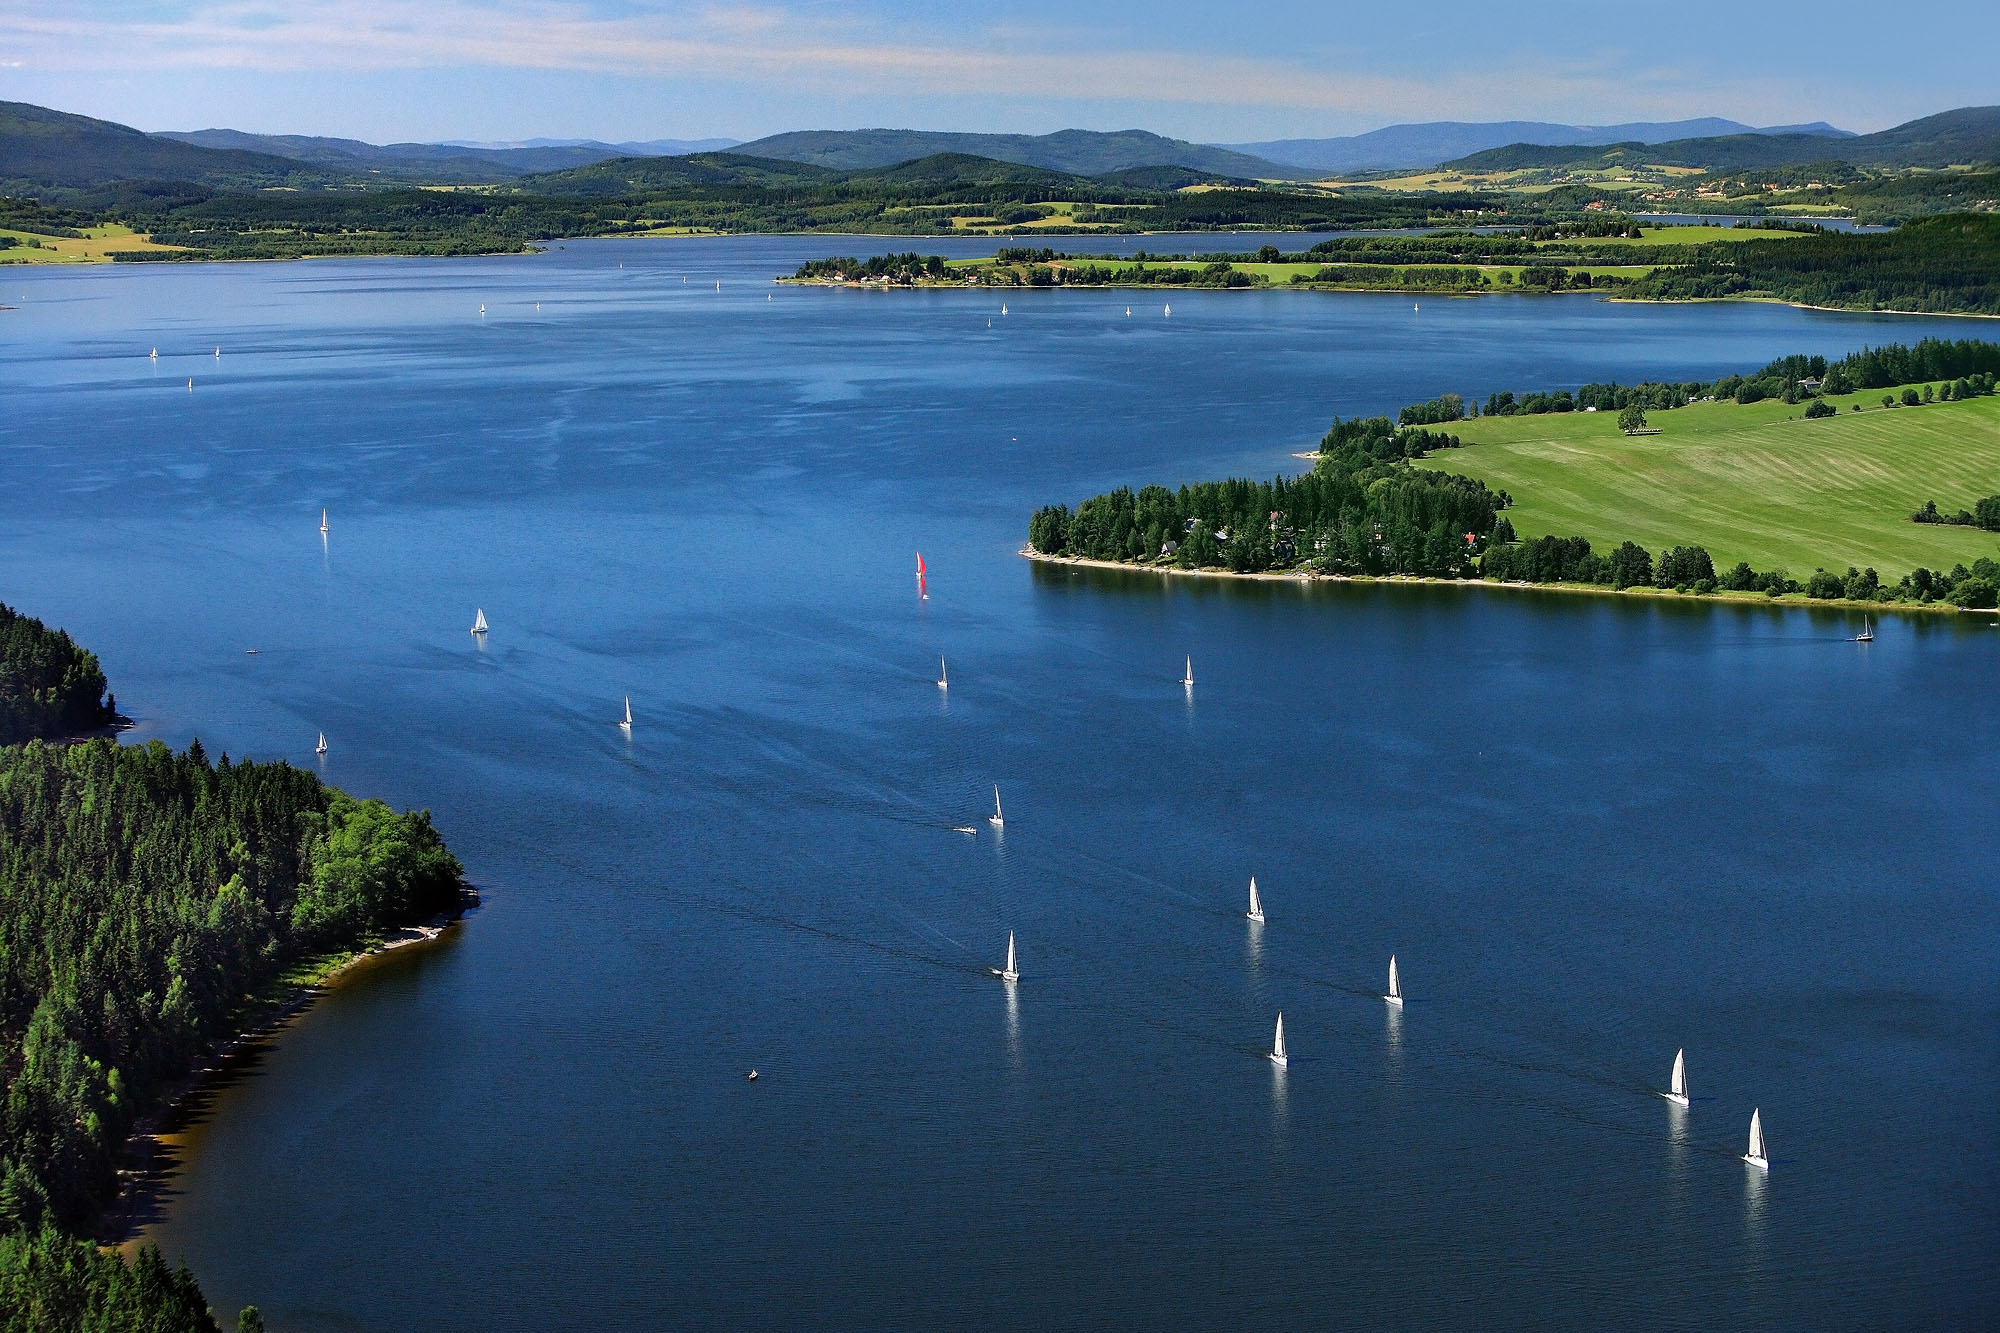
column 137, row 944
column 1690, row 487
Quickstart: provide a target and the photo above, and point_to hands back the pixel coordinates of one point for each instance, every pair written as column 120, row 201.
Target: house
column 1809, row 385
column 1168, row 548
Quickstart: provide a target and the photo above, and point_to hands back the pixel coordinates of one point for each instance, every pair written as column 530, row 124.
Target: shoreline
column 146, row 1160
column 1720, row 595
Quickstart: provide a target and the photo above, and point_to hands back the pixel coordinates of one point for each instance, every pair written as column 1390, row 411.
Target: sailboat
column 996, row 819
column 479, row 621
column 1756, row 1156
column 1003, row 307
column 1169, row 310
column 1867, row 634
column 1011, row 972
column 626, row 725
column 1677, row 1092
column 156, row 354
column 1128, row 312
column 1395, row 995
column 322, row 522
column 944, row 681
column 321, row 747
column 1256, row 912
column 1278, row 1043
column 1188, row 678
column 482, row 309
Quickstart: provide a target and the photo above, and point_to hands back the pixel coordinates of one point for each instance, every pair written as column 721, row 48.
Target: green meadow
column 1753, row 482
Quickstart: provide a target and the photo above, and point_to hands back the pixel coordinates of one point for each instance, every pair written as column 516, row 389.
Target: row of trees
column 1968, row 368
column 1985, row 515
column 48, row 685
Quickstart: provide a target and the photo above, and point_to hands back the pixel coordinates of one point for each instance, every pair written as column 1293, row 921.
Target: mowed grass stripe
column 1757, row 483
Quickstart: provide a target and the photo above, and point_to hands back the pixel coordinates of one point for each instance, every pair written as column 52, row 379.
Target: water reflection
column 1756, row 1188
column 1253, row 950
column 1281, row 1108
column 1392, row 1043
column 1013, row 1024
column 1678, row 1145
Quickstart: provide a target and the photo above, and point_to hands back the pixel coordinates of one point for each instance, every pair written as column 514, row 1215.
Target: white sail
column 1278, row 1044
column 1395, row 995
column 996, row 818
column 1256, row 912
column 321, row 747
column 1756, row 1155
column 627, row 723
column 322, row 521
column 479, row 621
column 1012, row 972
column 1169, row 310
column 944, row 678
column 1187, row 678
column 1679, row 1086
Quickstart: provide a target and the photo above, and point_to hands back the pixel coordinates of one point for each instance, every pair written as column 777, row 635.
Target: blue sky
column 641, row 69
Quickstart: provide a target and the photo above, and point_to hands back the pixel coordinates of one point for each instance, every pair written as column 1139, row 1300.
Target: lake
column 1593, row 832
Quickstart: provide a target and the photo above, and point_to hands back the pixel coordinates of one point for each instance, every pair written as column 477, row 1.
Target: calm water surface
column 1592, row 832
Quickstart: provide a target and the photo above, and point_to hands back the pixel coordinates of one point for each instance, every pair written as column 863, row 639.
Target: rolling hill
column 403, row 162
column 44, row 151
column 1427, row 144
column 1967, row 135
column 1078, row 152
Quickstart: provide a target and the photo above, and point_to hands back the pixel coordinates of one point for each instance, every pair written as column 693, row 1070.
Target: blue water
column 1593, row 832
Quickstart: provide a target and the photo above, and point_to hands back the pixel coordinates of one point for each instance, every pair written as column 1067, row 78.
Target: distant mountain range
column 1078, row 152
column 53, row 154
column 1432, row 142
column 1968, row 135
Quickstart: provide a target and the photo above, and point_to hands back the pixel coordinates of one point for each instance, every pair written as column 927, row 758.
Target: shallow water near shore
column 1592, row 831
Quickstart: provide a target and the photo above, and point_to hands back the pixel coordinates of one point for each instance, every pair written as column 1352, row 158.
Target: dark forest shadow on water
column 163, row 1143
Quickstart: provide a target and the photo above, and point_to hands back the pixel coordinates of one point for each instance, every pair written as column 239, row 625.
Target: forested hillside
column 1942, row 264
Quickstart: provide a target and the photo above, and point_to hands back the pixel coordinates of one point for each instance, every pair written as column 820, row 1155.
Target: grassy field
column 1757, row 483
column 94, row 247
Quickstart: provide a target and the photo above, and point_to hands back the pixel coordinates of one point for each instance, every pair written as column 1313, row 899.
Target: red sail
column 920, row 564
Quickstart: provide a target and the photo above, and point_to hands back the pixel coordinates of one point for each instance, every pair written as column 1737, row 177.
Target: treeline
column 1948, row 264
column 1967, row 368
column 143, row 896
column 1690, row 569
column 1362, row 509
column 48, row 685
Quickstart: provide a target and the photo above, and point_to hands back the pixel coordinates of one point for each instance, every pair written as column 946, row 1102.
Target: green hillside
column 1966, row 136
column 43, row 150
column 1757, row 482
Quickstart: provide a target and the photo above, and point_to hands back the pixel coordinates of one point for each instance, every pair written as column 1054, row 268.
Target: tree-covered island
column 152, row 905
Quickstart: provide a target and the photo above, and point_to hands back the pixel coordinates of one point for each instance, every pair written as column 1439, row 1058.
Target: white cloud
column 781, row 49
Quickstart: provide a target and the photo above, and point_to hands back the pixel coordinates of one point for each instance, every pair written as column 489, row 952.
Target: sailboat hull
column 1004, row 974
column 1762, row 1164
column 1258, row 917
column 1396, row 1000
column 1676, row 1099
column 1280, row 1061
